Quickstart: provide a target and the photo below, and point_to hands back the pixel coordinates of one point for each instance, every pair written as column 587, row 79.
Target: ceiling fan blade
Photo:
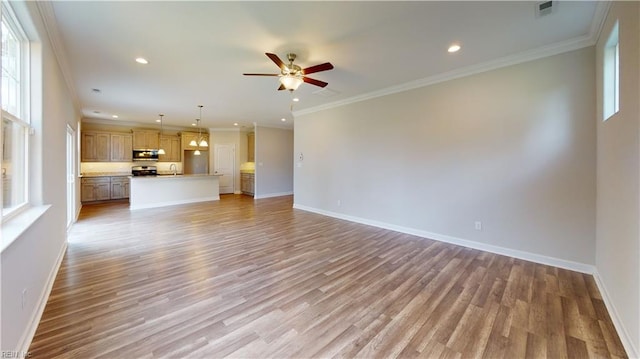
column 275, row 59
column 281, row 88
column 261, row 74
column 314, row 82
column 317, row 68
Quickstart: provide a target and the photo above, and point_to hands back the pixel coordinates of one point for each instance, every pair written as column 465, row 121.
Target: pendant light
column 200, row 141
column 161, row 150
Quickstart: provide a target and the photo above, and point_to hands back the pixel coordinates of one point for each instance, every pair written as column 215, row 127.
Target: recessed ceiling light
column 454, row 48
column 114, row 116
column 142, row 60
column 283, row 119
column 158, row 120
column 193, row 124
column 235, row 124
column 295, row 99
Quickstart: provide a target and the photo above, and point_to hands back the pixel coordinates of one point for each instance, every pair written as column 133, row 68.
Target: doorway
column 224, row 164
column 71, row 176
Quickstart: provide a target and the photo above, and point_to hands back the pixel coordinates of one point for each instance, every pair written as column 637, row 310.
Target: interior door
column 71, row 176
column 224, row 164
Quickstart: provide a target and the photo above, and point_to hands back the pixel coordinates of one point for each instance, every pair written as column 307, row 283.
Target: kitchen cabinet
column 188, row 136
column 121, row 147
column 95, row 146
column 119, row 187
column 104, row 188
column 146, row 139
column 251, row 147
column 99, row 146
column 95, row 189
column 172, row 147
column 247, row 183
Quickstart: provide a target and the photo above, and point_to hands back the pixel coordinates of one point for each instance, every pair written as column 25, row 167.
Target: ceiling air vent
column 545, row 8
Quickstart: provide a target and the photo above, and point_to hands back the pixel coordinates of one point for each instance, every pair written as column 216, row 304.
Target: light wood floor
column 258, row 279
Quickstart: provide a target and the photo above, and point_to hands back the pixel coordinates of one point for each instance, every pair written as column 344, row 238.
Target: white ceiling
column 197, row 51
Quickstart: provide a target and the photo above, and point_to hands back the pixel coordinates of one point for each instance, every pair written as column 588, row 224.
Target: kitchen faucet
column 173, row 168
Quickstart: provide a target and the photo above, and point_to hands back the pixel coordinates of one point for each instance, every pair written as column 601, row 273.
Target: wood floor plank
column 245, row 278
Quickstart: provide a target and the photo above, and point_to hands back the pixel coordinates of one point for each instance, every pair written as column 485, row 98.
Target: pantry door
column 224, row 164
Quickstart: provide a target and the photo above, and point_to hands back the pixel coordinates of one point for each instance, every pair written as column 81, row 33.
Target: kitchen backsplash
column 124, row 167
column 247, row 166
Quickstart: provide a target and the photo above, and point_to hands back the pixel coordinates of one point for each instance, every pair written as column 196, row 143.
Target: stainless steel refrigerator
column 194, row 164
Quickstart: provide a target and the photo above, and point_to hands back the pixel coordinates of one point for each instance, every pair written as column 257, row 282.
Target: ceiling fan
column 292, row 75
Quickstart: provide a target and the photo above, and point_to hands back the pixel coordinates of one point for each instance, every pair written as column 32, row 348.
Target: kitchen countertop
column 171, row 176
column 105, row 174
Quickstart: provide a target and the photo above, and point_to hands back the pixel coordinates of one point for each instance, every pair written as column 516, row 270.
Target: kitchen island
column 169, row 190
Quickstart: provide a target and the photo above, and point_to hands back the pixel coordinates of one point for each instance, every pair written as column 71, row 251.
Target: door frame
column 233, row 163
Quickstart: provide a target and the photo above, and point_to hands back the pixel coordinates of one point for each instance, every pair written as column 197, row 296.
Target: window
column 15, row 120
column 611, row 75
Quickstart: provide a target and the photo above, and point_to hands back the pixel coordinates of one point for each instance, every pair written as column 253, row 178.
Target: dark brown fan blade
column 281, row 88
column 314, row 82
column 261, row 74
column 275, row 59
column 317, row 68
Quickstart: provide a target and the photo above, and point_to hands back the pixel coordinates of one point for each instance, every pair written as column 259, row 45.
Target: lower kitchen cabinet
column 247, row 183
column 119, row 187
column 104, row 188
column 96, row 189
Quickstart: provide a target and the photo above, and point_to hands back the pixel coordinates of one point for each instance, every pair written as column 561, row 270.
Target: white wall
column 274, row 162
column 618, row 181
column 31, row 260
column 513, row 148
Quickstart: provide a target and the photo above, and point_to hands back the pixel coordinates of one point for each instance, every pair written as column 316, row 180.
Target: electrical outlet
column 478, row 226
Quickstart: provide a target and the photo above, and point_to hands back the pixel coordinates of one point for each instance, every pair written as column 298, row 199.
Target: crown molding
column 48, row 16
column 602, row 10
column 222, row 129
column 526, row 56
column 283, row 127
column 136, row 125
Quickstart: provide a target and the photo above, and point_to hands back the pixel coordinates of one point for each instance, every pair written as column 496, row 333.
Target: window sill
column 14, row 227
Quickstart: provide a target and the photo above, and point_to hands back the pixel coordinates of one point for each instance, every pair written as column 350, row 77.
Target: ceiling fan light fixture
column 291, row 82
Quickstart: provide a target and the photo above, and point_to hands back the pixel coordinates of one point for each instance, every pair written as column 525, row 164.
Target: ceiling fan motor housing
column 291, row 69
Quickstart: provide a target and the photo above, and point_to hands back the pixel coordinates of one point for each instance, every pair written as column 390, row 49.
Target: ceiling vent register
column 545, row 8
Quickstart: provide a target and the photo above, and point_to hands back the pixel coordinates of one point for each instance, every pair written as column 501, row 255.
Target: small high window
column 611, row 75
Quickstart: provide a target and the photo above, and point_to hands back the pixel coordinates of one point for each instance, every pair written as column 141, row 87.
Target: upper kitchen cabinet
column 121, row 147
column 99, row 146
column 172, row 148
column 95, row 146
column 187, row 137
column 251, row 147
column 146, row 139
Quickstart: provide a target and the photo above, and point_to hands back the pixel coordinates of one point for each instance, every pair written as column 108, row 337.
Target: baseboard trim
column 27, row 337
column 528, row 256
column 269, row 195
column 625, row 338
